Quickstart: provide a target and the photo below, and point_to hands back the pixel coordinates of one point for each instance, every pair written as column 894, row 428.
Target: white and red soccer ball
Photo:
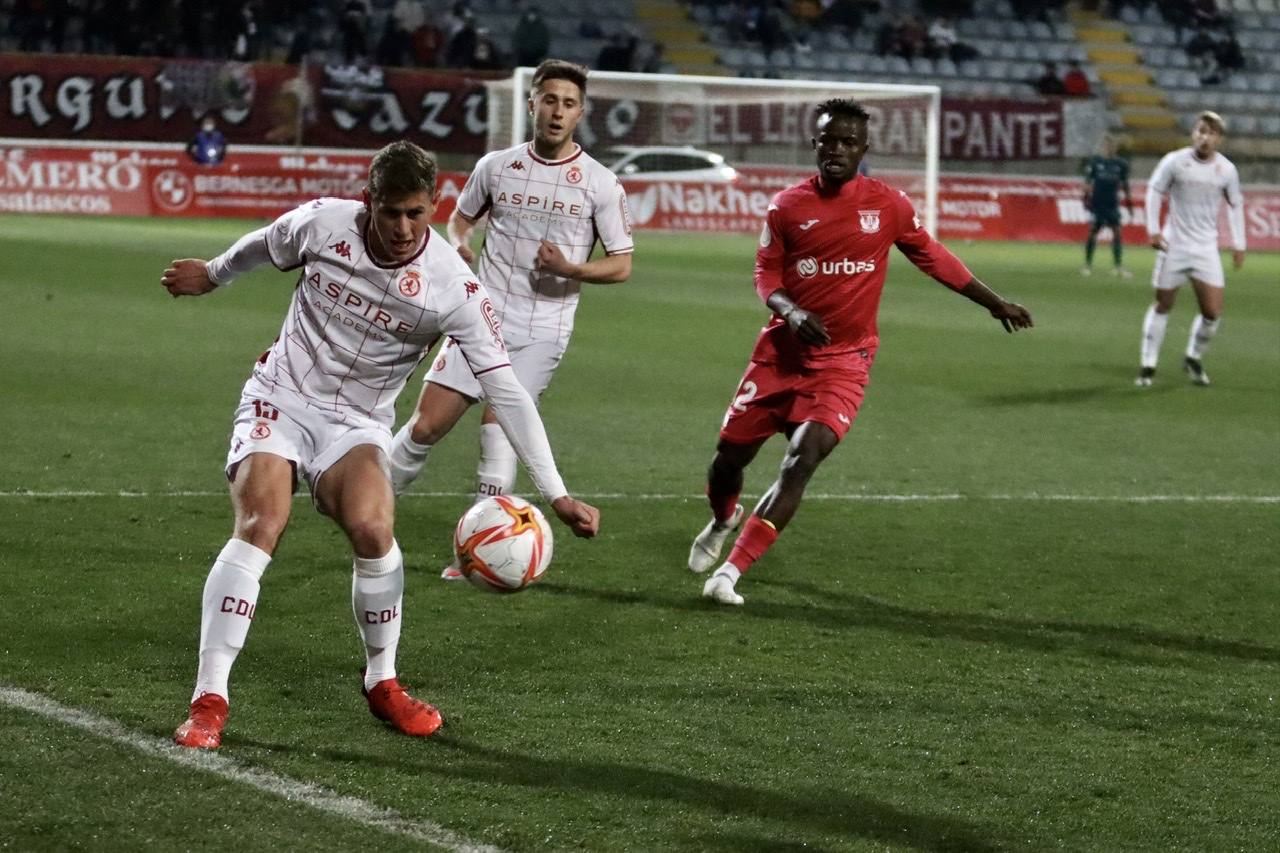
column 503, row 544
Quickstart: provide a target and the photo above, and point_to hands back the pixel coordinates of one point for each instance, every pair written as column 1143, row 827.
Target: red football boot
column 203, row 728
column 390, row 702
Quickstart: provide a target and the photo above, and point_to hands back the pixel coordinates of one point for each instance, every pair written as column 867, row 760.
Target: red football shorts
column 771, row 399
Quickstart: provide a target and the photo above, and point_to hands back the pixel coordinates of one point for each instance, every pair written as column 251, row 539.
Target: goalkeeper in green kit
column 1106, row 176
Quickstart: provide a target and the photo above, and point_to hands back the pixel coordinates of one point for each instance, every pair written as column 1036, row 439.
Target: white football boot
column 719, row 588
column 708, row 544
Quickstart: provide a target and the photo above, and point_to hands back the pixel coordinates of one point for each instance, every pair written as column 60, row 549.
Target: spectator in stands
column 1228, row 53
column 655, row 60
column 945, row 43
column 244, row 47
column 805, row 12
column 300, row 41
column 1075, row 82
column 209, row 145
column 425, row 44
column 913, row 39
column 462, row 46
column 1205, row 13
column 454, row 20
column 844, row 14
column 1203, row 50
column 397, row 38
column 614, row 56
column 1032, row 10
column 354, row 28
column 485, row 56
column 1049, row 83
column 531, row 41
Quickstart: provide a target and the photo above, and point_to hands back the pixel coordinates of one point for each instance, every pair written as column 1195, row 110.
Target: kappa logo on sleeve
column 342, row 248
column 471, row 287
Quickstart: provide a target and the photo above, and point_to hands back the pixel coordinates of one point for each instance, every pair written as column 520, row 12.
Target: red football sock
column 756, row 537
column 722, row 506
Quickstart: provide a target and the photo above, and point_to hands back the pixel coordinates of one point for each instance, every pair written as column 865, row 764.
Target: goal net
column 761, row 127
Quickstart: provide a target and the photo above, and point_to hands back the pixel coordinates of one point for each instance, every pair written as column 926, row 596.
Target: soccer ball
column 503, row 544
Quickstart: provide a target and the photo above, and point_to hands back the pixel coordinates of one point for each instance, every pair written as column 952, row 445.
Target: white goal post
column 750, row 121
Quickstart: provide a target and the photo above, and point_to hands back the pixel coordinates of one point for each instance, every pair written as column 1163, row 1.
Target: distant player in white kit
column 548, row 202
column 1197, row 180
column 376, row 291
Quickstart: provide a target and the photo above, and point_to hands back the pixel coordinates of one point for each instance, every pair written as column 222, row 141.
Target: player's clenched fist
column 187, row 277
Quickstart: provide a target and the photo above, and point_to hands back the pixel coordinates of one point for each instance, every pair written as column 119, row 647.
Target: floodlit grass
column 1073, row 643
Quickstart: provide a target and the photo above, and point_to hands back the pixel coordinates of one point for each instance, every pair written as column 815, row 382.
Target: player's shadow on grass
column 841, row 814
column 1112, row 641
column 1056, row 396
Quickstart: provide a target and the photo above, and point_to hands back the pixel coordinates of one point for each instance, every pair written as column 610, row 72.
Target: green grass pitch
column 1027, row 606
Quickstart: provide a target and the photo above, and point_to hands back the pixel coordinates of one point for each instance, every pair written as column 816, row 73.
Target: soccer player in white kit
column 548, row 202
column 1197, row 179
column 376, row 291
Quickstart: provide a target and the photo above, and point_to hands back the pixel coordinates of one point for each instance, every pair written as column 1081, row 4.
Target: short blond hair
column 1214, row 121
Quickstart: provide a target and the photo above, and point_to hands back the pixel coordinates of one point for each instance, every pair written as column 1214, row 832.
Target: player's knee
column 371, row 534
column 262, row 528
column 799, row 465
column 427, row 431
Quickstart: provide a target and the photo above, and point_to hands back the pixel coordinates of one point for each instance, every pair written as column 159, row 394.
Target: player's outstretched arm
column 805, row 325
column 187, row 277
column 518, row 417
column 1010, row 314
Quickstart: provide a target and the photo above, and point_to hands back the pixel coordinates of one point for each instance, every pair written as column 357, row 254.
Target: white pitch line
column 1029, row 497
column 313, row 796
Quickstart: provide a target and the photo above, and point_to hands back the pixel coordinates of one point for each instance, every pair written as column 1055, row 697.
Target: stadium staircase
column 1134, row 96
column 669, row 23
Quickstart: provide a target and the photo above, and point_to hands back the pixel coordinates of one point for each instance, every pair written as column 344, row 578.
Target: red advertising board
column 161, row 180
column 261, row 183
column 976, row 207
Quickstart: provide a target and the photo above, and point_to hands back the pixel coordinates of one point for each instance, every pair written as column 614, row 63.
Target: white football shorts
column 534, row 363
column 313, row 439
column 1174, row 269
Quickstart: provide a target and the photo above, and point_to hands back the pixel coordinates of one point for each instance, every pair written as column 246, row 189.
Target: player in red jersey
column 820, row 267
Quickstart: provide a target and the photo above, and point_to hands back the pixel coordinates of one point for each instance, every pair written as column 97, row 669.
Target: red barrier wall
column 260, row 183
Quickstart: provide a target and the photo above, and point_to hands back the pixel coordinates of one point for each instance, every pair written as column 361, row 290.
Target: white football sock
column 377, row 594
column 730, row 571
column 407, row 457
column 496, row 473
column 1202, row 331
column 227, row 609
column 1153, row 328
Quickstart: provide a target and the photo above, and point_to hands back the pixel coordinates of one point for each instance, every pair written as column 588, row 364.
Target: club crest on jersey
column 869, row 220
column 574, row 175
column 411, row 284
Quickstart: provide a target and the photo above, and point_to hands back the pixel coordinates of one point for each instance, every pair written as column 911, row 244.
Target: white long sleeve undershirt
column 519, row 418
column 245, row 254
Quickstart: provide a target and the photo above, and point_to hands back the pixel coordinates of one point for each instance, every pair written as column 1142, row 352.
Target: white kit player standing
column 547, row 203
column 1197, row 180
column 376, row 291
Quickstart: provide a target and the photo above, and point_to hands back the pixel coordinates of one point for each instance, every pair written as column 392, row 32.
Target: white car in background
column 672, row 163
